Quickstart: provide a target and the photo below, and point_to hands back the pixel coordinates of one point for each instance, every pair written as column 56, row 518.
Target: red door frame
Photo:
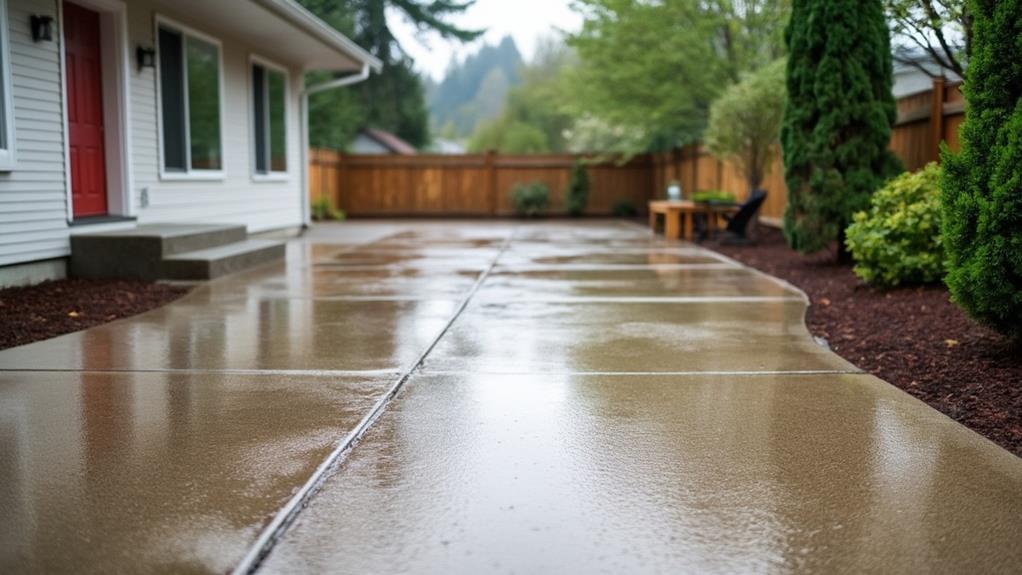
column 83, row 60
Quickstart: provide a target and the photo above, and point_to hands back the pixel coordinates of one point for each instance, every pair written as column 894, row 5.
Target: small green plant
column 323, row 209
column 716, row 196
column 578, row 190
column 530, row 200
column 624, row 209
column 898, row 239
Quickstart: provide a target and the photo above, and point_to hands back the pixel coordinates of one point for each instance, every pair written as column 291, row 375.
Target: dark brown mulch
column 53, row 308
column 913, row 337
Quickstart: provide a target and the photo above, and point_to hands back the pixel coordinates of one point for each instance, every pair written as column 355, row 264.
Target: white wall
column 33, row 196
column 238, row 198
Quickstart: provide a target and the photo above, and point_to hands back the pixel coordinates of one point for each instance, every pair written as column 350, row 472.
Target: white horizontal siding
column 236, row 199
column 33, row 196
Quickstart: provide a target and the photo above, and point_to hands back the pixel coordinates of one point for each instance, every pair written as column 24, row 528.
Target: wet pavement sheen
column 590, row 399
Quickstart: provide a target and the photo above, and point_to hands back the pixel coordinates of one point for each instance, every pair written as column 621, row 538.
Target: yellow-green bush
column 898, row 239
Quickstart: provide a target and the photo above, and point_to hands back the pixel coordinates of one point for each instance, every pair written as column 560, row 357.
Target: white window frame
column 189, row 173
column 269, row 176
column 8, row 156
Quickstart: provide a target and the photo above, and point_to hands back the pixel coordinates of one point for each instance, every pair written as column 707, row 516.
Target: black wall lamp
column 42, row 28
column 146, row 57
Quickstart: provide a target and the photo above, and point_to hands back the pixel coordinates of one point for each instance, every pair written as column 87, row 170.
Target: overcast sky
column 525, row 20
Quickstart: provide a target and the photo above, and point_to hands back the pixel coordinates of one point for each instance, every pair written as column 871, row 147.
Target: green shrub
column 323, row 209
column 530, row 200
column 578, row 190
column 898, row 239
column 713, row 196
column 624, row 209
column 982, row 185
column 837, row 123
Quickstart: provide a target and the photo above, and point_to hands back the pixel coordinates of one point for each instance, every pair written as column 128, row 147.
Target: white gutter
column 316, row 89
column 296, row 14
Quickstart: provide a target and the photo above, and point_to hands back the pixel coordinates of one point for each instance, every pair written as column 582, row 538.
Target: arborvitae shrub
column 838, row 118
column 982, row 184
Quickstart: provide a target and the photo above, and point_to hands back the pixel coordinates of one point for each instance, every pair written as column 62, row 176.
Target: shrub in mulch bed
column 913, row 337
column 54, row 308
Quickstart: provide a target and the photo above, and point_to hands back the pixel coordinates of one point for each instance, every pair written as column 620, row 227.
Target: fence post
column 490, row 162
column 339, row 199
column 937, row 116
column 694, row 156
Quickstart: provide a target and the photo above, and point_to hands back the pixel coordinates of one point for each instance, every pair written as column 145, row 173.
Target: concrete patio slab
column 471, row 397
column 614, row 335
column 249, row 334
column 158, row 472
column 325, row 282
column 515, row 284
column 540, row 473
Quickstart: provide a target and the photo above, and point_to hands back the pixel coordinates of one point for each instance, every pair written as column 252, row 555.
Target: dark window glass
column 278, row 122
column 269, row 102
column 259, row 115
column 203, row 61
column 173, row 99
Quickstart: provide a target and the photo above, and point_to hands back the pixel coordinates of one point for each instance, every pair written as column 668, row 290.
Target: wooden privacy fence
column 924, row 121
column 467, row 185
column 480, row 184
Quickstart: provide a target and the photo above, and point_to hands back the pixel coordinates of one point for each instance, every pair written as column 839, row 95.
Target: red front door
column 85, row 110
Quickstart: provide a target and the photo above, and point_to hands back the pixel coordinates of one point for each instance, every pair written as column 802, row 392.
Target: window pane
column 278, row 122
column 259, row 115
column 172, row 96
column 204, row 104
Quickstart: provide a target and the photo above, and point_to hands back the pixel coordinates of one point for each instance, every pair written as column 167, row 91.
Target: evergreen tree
column 982, row 185
column 392, row 100
column 838, row 118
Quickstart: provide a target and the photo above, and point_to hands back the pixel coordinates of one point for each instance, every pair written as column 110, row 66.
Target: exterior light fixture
column 146, row 57
column 42, row 28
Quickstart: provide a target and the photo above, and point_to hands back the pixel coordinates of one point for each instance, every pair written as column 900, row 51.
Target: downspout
column 332, row 84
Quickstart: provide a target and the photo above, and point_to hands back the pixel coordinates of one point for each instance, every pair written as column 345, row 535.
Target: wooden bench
column 679, row 212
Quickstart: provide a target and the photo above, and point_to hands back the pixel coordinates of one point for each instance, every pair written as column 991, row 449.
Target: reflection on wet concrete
column 251, row 333
column 606, row 401
column 658, row 474
column 566, row 337
column 119, row 472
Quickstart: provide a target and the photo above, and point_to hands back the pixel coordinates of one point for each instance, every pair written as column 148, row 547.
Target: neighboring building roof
column 374, row 141
column 914, row 71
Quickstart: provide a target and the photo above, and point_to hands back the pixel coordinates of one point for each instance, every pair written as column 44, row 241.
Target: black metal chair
column 738, row 224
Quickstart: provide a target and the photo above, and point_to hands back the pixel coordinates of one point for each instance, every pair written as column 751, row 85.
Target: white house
column 120, row 113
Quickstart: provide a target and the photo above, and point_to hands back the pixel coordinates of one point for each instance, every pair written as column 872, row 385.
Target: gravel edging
column 53, row 308
column 912, row 337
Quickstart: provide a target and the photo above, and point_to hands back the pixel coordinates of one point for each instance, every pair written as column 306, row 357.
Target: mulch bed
column 54, row 308
column 913, row 337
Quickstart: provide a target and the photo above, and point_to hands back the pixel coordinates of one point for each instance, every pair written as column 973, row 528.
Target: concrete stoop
column 170, row 251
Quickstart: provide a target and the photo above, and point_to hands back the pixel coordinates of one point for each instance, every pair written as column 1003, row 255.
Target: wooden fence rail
column 480, row 184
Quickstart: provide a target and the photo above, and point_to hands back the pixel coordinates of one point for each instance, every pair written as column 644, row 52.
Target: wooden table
column 677, row 212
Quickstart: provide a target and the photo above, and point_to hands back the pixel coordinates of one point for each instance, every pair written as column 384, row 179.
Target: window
column 6, row 107
column 190, row 102
column 269, row 119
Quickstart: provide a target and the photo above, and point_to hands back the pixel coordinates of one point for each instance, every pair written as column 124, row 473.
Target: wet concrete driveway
column 477, row 398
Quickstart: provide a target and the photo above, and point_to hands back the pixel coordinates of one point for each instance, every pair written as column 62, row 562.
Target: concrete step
column 138, row 252
column 222, row 260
